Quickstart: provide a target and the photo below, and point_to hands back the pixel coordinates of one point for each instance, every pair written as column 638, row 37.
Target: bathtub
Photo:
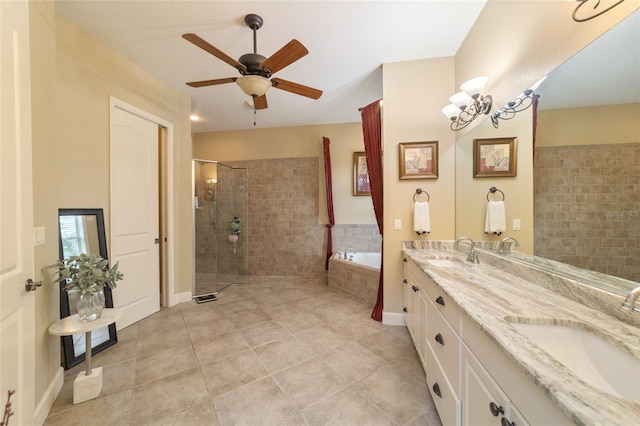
column 358, row 277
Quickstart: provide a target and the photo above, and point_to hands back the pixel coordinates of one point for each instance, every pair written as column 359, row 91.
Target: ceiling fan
column 256, row 70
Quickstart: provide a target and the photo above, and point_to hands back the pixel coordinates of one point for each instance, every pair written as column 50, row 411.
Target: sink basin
column 443, row 263
column 597, row 362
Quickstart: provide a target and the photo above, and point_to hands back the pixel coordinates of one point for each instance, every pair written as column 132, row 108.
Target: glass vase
column 90, row 305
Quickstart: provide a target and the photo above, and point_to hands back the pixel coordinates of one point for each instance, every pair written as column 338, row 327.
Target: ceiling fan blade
column 296, row 88
column 260, row 102
column 214, row 51
column 284, row 57
column 204, row 83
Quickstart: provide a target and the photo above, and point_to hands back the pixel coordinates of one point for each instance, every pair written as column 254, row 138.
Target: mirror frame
column 69, row 357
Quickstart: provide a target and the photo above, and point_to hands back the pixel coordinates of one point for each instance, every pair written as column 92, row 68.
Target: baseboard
column 49, row 397
column 182, row 297
column 392, row 318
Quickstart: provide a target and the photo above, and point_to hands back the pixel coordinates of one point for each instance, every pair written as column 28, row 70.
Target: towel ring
column 493, row 190
column 420, row 191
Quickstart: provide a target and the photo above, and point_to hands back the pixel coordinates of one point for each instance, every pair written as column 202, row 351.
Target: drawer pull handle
column 404, row 260
column 440, row 301
column 415, row 288
column 505, row 422
column 496, row 409
column 404, row 310
column 439, row 339
column 436, row 389
column 405, row 281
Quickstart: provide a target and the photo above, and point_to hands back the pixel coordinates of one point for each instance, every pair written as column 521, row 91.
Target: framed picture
column 419, row 160
column 361, row 184
column 495, row 157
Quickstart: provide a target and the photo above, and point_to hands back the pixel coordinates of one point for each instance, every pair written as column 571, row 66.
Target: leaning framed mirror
column 82, row 231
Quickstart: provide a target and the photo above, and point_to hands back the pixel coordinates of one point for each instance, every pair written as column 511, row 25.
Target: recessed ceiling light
column 195, row 117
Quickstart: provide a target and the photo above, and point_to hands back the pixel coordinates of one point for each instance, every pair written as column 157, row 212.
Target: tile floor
column 275, row 351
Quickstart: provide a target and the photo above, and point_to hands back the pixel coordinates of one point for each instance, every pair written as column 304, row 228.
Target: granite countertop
column 493, row 297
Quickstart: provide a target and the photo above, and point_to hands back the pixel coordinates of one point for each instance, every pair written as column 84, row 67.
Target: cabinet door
column 484, row 403
column 421, row 325
column 410, row 306
column 517, row 419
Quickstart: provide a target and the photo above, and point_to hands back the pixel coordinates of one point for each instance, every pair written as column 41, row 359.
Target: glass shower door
column 221, row 220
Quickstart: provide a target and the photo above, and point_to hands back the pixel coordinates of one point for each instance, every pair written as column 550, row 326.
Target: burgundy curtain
column 372, row 131
column 327, row 180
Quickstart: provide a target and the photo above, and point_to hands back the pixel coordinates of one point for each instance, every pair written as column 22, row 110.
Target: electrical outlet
column 516, row 224
column 398, row 224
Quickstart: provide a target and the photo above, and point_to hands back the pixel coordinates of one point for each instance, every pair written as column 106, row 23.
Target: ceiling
column 348, row 41
column 606, row 72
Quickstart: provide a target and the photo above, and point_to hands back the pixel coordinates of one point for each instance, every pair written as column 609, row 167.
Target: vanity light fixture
column 468, row 104
column 509, row 111
column 595, row 13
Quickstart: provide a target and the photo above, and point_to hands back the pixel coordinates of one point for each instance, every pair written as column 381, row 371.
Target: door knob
column 32, row 285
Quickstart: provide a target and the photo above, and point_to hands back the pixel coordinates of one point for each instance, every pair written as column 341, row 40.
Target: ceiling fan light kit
column 255, row 69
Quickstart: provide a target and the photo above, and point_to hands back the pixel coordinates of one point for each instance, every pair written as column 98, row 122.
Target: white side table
column 88, row 383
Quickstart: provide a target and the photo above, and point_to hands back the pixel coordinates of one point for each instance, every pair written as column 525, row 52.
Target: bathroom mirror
column 599, row 83
column 82, row 231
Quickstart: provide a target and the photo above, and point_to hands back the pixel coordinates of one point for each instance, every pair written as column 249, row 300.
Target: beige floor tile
column 266, row 332
column 299, row 320
column 198, row 415
column 109, row 410
column 283, row 354
column 248, row 317
column 401, row 399
column 345, row 408
column 152, row 342
column 168, row 396
column 387, row 345
column 232, row 372
column 321, row 339
column 203, row 312
column 163, row 364
column 354, row 327
column 352, row 360
column 118, row 376
column 209, row 329
column 219, row 347
column 309, row 382
column 257, row 403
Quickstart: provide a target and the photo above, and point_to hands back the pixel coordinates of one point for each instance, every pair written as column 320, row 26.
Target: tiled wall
column 587, row 207
column 362, row 238
column 357, row 280
column 286, row 237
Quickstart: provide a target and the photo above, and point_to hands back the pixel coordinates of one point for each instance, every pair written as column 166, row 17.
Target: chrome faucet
column 350, row 256
column 629, row 303
column 505, row 245
column 472, row 256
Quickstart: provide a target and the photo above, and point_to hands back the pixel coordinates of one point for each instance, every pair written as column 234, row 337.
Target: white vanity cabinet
column 471, row 381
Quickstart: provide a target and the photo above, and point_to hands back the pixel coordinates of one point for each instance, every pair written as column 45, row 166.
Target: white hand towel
column 421, row 219
column 496, row 220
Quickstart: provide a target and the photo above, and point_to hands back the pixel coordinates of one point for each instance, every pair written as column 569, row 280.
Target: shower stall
column 221, row 227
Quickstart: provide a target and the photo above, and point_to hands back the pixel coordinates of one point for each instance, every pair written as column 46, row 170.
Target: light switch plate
column 38, row 236
column 398, row 224
column 516, row 224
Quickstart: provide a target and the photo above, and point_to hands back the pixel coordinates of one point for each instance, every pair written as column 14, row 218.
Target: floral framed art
column 419, row 160
column 361, row 184
column 496, row 157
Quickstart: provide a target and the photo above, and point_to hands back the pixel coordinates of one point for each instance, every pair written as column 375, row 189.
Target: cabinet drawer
column 445, row 398
column 443, row 302
column 445, row 344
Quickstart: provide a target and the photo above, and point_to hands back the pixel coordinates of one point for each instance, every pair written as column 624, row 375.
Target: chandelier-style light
column 594, row 13
column 509, row 111
column 468, row 104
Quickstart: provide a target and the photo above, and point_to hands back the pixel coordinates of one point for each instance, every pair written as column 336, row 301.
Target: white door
column 17, row 362
column 134, row 215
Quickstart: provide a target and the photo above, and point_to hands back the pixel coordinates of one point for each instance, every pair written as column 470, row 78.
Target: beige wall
column 589, row 126
column 471, row 193
column 294, row 142
column 73, row 77
column 414, row 93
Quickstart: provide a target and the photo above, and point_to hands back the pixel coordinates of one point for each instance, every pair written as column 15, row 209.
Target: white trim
column 168, row 293
column 392, row 318
column 183, row 297
column 49, row 397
